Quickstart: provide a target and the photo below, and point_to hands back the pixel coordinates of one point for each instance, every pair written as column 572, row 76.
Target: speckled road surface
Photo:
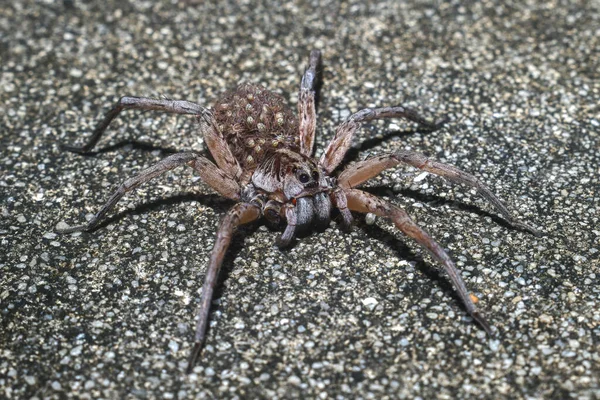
column 109, row 314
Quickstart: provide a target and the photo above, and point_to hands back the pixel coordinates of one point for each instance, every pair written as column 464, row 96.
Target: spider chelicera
column 263, row 160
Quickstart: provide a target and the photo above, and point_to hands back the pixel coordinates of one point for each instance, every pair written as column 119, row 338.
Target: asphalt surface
column 365, row 315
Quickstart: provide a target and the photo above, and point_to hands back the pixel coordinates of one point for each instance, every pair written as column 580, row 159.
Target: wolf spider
column 263, row 160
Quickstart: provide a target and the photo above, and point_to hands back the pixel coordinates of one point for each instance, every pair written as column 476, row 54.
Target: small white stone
column 62, row 226
column 75, row 351
column 420, row 177
column 240, row 325
column 494, row 345
column 370, row 302
column 370, row 218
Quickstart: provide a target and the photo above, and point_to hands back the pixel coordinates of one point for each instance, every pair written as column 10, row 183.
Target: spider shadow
column 235, row 247
column 433, row 274
column 214, row 201
column 134, row 144
column 437, row 201
column 371, row 142
column 220, row 205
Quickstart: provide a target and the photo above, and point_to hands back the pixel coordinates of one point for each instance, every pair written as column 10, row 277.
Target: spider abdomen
column 255, row 122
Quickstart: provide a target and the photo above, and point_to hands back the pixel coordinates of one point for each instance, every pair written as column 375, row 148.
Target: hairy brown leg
column 241, row 213
column 215, row 141
column 367, row 203
column 209, row 173
column 138, row 103
column 306, row 104
column 342, row 140
column 341, row 203
column 360, row 172
column 219, row 148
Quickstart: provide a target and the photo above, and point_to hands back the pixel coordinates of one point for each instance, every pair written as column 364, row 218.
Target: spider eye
column 315, row 176
column 303, row 177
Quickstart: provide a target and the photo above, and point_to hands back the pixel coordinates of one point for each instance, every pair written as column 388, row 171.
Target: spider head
column 308, row 186
column 290, row 174
column 290, row 177
column 302, row 179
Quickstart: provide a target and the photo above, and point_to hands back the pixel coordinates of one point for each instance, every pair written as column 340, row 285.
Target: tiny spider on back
column 263, row 160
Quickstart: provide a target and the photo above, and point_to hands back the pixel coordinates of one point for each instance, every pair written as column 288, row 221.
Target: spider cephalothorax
column 263, row 160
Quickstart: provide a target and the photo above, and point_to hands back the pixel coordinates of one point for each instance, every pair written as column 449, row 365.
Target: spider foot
column 526, row 227
column 194, row 355
column 75, row 149
column 432, row 126
column 285, row 239
column 440, row 122
column 347, row 220
column 483, row 323
column 346, row 226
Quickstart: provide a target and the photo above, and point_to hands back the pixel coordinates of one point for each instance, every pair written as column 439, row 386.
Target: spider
column 263, row 160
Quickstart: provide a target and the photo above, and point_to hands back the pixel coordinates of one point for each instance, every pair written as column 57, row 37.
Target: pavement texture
column 364, row 315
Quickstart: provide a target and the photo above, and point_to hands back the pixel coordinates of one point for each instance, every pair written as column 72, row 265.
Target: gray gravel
column 108, row 314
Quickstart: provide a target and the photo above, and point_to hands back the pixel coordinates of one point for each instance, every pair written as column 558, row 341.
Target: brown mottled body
column 264, row 161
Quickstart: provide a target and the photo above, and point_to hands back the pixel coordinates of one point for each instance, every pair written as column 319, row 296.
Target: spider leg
column 341, row 203
column 339, row 145
column 239, row 214
column 359, row 172
column 306, row 104
column 209, row 172
column 138, row 103
column 219, row 148
column 367, row 203
column 291, row 216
